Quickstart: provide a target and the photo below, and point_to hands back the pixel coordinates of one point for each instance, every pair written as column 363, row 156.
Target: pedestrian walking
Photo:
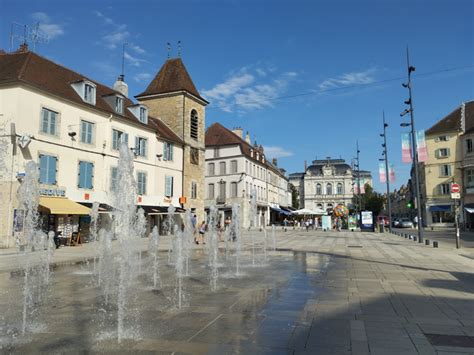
column 202, row 232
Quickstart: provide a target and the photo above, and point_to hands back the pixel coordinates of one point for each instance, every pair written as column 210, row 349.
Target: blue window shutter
column 171, row 183
column 165, row 151
column 52, row 122
column 137, row 145
column 171, row 151
column 91, row 175
column 45, row 124
column 52, row 170
column 43, row 169
column 79, row 175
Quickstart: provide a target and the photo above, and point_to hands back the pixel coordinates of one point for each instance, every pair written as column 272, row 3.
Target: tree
column 371, row 200
column 295, row 197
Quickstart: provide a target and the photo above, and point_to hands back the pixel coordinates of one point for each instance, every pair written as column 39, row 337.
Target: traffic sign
column 455, row 188
column 455, row 195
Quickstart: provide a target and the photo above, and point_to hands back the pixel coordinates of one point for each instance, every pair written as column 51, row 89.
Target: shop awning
column 61, row 205
column 103, row 207
column 156, row 210
column 440, row 208
column 280, row 211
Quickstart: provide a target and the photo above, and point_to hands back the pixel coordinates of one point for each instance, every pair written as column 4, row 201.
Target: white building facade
column 235, row 170
column 72, row 127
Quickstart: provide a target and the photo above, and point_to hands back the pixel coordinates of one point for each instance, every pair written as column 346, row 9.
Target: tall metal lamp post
column 387, row 178
column 409, row 110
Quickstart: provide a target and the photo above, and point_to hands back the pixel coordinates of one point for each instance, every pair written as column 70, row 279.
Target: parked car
column 396, row 222
column 405, row 223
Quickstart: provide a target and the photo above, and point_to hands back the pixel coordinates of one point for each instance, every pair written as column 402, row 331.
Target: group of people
column 305, row 223
column 200, row 231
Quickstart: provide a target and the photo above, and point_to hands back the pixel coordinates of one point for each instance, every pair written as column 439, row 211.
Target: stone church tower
column 172, row 97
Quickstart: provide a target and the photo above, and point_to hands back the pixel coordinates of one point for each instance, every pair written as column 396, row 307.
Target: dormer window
column 89, row 93
column 143, row 115
column 119, row 104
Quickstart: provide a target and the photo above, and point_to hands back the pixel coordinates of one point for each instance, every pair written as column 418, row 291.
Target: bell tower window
column 194, row 125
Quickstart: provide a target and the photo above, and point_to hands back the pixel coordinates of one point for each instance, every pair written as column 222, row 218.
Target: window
column 86, row 174
column 87, row 129
column 113, row 178
column 194, row 124
column 233, row 166
column 48, row 169
column 318, row 189
column 442, row 217
column 118, row 104
column 167, row 151
column 445, row 170
column 118, row 138
column 329, row 189
column 444, row 189
column 210, row 191
column 216, row 153
column 193, row 190
column 246, row 166
column 470, row 178
column 251, row 153
column 168, row 186
column 141, row 183
column 442, row 139
column 194, row 156
column 143, row 115
column 222, row 167
column 211, row 169
column 442, row 153
column 339, row 189
column 89, row 93
column 469, row 145
column 233, row 189
column 49, row 121
column 222, row 189
column 140, row 146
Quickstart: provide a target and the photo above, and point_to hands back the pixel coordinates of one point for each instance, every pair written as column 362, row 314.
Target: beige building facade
column 72, row 127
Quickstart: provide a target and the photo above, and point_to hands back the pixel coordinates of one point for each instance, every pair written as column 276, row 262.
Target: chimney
column 121, row 86
column 23, row 48
column 238, row 131
column 247, row 137
column 274, row 161
column 305, row 165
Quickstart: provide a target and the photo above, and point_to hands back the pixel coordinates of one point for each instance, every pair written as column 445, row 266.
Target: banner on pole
column 406, row 148
column 382, row 174
column 421, row 146
column 391, row 173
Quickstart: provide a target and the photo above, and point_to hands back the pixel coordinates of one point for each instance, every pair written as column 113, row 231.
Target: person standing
column 202, row 232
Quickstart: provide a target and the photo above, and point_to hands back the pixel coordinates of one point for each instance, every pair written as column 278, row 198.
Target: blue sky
column 332, row 65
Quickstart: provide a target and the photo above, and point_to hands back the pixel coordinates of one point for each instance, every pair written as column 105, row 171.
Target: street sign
column 455, row 188
column 455, row 195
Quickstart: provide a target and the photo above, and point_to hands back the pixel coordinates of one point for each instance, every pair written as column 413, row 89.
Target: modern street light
column 387, row 178
column 409, row 102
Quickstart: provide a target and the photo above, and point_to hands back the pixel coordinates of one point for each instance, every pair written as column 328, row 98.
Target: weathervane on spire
column 168, row 48
column 179, row 49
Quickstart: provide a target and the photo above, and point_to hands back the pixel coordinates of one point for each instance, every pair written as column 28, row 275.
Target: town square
column 238, row 177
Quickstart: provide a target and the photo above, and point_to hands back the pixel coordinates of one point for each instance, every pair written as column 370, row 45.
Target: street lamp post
column 387, row 178
column 409, row 102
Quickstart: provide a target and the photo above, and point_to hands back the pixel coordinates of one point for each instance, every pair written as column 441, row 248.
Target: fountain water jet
column 236, row 235
column 94, row 214
column 213, row 246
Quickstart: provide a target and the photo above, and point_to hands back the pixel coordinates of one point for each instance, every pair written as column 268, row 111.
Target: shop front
column 62, row 215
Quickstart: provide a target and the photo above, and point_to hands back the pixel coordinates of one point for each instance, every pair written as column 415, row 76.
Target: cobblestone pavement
column 319, row 293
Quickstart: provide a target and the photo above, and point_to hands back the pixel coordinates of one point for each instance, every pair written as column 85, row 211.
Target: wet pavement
column 319, row 293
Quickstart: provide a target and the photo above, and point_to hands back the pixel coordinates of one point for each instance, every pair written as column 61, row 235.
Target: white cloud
column 245, row 89
column 111, row 41
column 134, row 61
column 276, row 152
column 46, row 26
column 136, row 48
column 347, row 79
column 142, row 77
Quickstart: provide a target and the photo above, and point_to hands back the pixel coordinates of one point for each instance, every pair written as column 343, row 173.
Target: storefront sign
column 53, row 192
column 367, row 221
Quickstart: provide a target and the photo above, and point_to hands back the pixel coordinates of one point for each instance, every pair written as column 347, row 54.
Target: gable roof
column 449, row 123
column 172, row 77
column 469, row 117
column 218, row 135
column 43, row 74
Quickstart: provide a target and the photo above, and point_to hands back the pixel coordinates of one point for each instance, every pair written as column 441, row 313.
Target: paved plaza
column 317, row 293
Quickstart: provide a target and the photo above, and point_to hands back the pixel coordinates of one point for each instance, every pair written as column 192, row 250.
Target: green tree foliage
column 295, row 200
column 371, row 200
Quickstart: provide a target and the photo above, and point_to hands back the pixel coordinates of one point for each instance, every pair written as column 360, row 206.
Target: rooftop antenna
column 168, row 48
column 179, row 49
column 26, row 34
column 122, row 75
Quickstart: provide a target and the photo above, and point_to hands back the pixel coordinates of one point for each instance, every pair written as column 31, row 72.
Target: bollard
column 427, row 242
column 410, row 237
column 406, row 236
column 435, row 244
column 415, row 238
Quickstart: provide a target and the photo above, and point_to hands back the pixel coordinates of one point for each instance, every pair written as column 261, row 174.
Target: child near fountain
column 202, row 232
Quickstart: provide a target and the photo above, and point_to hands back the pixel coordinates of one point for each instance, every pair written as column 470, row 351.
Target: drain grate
column 354, row 246
column 461, row 341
